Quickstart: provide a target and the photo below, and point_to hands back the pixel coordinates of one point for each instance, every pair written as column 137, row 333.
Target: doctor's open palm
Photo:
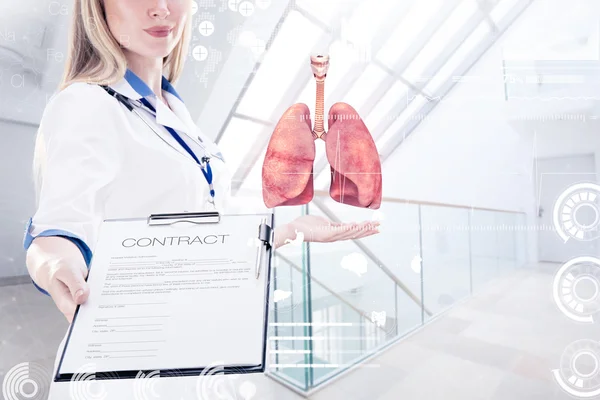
column 314, row 228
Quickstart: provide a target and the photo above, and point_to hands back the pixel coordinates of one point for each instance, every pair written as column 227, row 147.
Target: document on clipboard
column 173, row 295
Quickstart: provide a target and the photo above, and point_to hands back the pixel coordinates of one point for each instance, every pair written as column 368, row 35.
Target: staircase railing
column 335, row 304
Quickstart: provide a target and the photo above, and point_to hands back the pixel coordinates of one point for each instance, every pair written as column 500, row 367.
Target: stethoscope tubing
column 204, row 163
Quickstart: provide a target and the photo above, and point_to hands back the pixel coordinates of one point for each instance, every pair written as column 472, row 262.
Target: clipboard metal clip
column 265, row 235
column 204, row 217
column 265, row 232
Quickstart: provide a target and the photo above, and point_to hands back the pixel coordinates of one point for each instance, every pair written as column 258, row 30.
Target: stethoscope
column 203, row 162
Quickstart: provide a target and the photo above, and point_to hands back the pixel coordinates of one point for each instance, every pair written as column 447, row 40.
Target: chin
column 158, row 53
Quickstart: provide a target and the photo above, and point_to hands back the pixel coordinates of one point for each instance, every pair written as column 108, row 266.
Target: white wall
column 465, row 152
column 468, row 152
column 566, row 138
column 577, row 136
column 16, row 194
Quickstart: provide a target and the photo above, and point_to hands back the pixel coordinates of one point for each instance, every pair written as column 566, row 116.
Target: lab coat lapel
column 178, row 119
column 175, row 116
column 133, row 87
column 163, row 115
column 193, row 132
column 123, row 87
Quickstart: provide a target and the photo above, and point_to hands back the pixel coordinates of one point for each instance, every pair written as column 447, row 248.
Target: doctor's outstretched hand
column 57, row 266
column 313, row 228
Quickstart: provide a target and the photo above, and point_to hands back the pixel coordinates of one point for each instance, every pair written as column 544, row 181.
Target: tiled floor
column 501, row 344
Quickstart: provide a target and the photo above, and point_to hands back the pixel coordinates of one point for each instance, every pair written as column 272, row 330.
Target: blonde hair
column 95, row 56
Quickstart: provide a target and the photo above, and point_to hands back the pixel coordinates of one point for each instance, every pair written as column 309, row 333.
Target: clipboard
column 265, row 234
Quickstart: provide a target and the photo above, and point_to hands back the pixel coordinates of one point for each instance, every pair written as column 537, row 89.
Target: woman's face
column 149, row 28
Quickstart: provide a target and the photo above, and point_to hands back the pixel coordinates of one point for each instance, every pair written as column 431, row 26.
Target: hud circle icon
column 579, row 373
column 26, row 381
column 576, row 289
column 577, row 212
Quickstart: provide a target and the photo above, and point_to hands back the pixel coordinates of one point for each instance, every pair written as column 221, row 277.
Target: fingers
column 74, row 280
column 364, row 229
column 62, row 298
column 355, row 230
column 331, row 231
column 68, row 288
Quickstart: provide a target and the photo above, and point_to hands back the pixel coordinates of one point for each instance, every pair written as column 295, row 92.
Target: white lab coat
column 103, row 162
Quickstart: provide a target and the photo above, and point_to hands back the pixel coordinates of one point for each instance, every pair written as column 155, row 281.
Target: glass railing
column 335, row 304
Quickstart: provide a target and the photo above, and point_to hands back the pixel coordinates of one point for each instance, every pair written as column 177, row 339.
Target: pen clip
column 265, row 235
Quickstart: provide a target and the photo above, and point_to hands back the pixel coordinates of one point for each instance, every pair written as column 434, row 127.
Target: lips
column 159, row 32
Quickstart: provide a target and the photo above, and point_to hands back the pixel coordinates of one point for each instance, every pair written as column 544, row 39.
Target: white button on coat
column 102, row 162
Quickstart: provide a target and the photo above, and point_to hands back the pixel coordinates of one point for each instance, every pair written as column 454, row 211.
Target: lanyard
column 204, row 162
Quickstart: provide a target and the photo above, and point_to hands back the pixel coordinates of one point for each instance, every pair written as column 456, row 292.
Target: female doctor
column 117, row 141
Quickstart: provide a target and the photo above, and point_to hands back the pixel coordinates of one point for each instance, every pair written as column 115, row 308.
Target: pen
column 260, row 247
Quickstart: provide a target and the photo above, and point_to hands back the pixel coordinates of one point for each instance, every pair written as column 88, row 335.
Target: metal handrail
column 322, row 193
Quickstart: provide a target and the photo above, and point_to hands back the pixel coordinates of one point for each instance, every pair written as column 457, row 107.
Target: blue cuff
column 39, row 288
column 81, row 245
